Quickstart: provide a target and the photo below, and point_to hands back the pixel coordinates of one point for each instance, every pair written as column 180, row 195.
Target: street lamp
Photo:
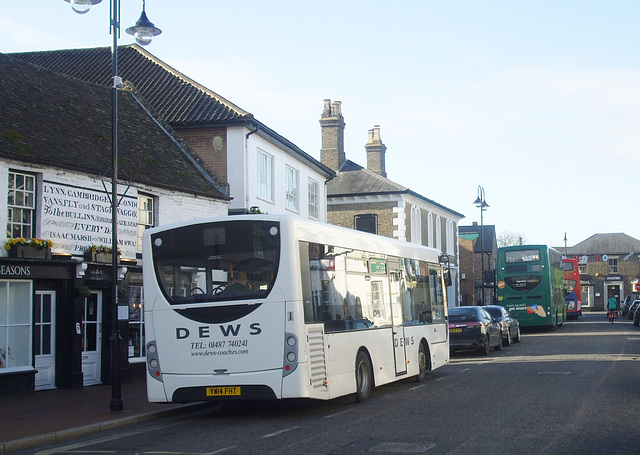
column 481, row 203
column 144, row 31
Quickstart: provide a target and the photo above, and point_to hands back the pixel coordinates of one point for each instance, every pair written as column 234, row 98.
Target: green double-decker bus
column 531, row 285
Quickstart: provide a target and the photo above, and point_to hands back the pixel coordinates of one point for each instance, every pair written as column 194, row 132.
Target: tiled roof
column 616, row 243
column 176, row 98
column 354, row 180
column 53, row 120
column 359, row 181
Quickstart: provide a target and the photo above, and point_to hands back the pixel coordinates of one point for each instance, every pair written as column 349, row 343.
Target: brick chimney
column 332, row 125
column 375, row 152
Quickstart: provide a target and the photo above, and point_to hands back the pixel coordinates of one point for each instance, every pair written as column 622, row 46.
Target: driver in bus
column 239, row 284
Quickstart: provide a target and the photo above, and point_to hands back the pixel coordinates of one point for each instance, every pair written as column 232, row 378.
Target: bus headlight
column 291, row 341
column 291, row 357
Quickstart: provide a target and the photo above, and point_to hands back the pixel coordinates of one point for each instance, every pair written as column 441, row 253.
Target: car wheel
column 508, row 341
column 484, row 350
column 499, row 345
column 517, row 338
column 364, row 377
column 422, row 363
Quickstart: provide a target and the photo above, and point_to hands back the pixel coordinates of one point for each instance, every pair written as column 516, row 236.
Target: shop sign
column 94, row 273
column 18, row 269
column 134, row 277
column 76, row 217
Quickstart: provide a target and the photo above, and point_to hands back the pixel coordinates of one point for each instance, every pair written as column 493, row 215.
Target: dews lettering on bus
column 403, row 341
column 204, row 332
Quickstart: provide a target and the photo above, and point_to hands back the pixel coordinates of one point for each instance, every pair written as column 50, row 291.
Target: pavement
column 50, row 416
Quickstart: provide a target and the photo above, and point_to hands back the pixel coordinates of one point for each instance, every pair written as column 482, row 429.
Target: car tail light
column 465, row 324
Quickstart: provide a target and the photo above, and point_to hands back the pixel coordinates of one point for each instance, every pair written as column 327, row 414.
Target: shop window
column 136, row 323
column 366, row 223
column 613, row 265
column 416, row 225
column 313, row 199
column 15, row 325
column 146, row 215
column 265, row 176
column 292, row 195
column 582, row 266
column 21, row 204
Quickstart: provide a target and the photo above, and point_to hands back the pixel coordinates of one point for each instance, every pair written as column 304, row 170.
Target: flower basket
column 84, row 292
column 29, row 252
column 98, row 257
column 99, row 253
column 29, row 249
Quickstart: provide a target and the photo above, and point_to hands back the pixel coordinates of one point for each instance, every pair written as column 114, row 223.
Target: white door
column 92, row 338
column 44, row 310
column 400, row 350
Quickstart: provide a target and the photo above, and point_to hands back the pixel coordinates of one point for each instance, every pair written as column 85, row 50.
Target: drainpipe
column 246, row 167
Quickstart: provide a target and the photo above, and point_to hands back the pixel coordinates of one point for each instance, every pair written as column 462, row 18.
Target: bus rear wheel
column 364, row 377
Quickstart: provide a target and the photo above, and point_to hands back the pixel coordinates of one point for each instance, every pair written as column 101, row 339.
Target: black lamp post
column 144, row 31
column 482, row 205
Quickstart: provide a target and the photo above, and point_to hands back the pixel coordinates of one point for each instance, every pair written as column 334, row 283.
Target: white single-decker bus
column 272, row 307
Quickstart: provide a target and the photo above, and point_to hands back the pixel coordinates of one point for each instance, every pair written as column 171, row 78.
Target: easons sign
column 76, row 217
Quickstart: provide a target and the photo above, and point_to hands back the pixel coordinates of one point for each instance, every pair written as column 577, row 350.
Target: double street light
column 481, row 203
column 144, row 31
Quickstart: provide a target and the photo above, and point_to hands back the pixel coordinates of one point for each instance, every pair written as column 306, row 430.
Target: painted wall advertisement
column 75, row 217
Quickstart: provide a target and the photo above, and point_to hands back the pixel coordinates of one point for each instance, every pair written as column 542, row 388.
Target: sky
column 537, row 102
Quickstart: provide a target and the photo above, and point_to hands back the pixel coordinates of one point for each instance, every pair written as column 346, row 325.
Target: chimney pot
column 332, row 127
column 376, row 152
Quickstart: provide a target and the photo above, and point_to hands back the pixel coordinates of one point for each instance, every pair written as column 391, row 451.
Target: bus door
column 399, row 341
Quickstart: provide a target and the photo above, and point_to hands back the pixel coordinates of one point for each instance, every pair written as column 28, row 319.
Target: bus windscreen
column 226, row 261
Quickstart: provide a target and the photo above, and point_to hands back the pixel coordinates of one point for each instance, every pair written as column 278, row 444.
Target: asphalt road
column 571, row 391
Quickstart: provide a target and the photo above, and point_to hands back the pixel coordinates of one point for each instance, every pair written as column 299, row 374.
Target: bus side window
column 437, row 295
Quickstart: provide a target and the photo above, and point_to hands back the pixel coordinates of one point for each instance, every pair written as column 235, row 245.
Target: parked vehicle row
column 481, row 328
column 628, row 301
column 633, row 313
column 630, row 309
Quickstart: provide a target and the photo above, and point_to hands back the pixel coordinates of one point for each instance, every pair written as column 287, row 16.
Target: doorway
column 44, row 310
column 91, row 331
column 613, row 290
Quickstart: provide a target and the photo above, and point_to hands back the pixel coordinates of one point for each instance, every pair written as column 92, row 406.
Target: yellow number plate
column 222, row 391
column 455, row 330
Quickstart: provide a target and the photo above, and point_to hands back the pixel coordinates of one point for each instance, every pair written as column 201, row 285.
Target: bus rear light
column 290, row 354
column 153, row 362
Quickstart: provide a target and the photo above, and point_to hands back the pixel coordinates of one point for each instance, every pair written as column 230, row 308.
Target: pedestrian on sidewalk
column 612, row 308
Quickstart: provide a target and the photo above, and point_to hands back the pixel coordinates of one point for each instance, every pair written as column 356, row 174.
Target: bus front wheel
column 423, row 362
column 364, row 377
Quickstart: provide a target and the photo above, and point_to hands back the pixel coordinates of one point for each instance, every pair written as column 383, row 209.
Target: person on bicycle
column 612, row 307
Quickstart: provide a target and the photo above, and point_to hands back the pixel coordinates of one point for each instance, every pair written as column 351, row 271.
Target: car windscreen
column 462, row 315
